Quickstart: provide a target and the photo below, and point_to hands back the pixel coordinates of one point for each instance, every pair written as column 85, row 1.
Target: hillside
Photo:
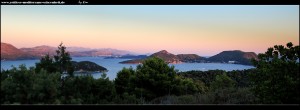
column 171, row 58
column 235, row 56
column 10, row 52
column 165, row 55
column 190, row 58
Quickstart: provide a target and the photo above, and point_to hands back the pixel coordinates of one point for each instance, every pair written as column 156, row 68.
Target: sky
column 205, row 30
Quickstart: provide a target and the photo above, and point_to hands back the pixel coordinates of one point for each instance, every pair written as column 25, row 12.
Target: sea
column 114, row 66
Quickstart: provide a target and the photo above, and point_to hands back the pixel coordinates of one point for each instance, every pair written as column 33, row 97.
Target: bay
column 114, row 66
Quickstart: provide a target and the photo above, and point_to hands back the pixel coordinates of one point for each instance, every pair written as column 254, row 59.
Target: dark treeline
column 274, row 80
column 25, row 86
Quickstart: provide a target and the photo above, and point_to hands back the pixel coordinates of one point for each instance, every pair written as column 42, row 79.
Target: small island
column 87, row 67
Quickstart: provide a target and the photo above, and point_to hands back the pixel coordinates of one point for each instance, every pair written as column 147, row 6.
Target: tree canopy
column 61, row 62
column 155, row 78
column 277, row 79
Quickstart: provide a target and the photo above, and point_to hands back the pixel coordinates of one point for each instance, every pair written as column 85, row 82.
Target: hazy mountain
column 110, row 51
column 78, row 49
column 10, row 52
column 127, row 56
column 99, row 52
column 39, row 51
column 75, row 51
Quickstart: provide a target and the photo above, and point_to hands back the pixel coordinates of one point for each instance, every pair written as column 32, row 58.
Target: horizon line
column 133, row 52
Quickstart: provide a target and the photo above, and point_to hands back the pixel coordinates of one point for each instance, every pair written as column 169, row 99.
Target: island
column 87, row 67
column 230, row 57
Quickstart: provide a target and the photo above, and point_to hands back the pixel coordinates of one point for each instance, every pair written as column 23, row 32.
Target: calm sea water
column 114, row 66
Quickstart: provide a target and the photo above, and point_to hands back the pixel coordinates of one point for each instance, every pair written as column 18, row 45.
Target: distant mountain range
column 234, row 57
column 10, row 52
column 128, row 56
column 39, row 50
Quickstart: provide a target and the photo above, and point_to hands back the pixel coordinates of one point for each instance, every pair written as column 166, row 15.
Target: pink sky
column 148, row 29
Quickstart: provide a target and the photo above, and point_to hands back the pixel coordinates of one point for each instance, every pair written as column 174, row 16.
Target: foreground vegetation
column 274, row 80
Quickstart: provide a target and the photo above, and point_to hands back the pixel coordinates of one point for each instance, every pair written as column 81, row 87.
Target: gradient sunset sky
column 180, row 29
